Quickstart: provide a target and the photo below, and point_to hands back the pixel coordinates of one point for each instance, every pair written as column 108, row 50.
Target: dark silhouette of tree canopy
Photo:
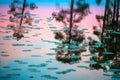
column 108, row 49
column 20, row 14
column 71, row 36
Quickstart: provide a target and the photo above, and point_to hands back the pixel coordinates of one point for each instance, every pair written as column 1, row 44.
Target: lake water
column 33, row 57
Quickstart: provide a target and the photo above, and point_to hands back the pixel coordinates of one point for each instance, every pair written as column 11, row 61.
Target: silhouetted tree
column 71, row 36
column 109, row 38
column 20, row 14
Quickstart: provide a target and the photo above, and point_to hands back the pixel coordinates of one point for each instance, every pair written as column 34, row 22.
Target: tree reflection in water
column 108, row 49
column 72, row 38
column 102, row 56
column 20, row 15
column 66, row 52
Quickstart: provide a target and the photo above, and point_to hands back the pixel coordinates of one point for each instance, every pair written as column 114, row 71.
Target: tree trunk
column 117, row 23
column 104, row 19
column 24, row 3
column 71, row 21
column 114, row 25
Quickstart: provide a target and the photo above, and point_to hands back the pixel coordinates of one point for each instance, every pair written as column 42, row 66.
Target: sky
column 46, row 7
column 52, row 2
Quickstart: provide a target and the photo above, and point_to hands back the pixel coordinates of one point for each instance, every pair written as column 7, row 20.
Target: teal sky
column 52, row 2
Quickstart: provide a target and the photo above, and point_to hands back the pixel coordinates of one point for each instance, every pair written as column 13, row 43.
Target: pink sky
column 46, row 34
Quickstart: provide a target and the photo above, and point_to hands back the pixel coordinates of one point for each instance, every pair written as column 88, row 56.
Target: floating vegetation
column 66, row 71
column 22, row 27
column 95, row 46
column 8, row 28
column 13, row 74
column 5, row 67
column 113, row 70
column 108, row 53
column 27, row 50
column 5, row 76
column 93, row 55
column 37, row 21
column 49, row 77
column 50, row 54
column 116, row 33
column 85, row 67
column 74, row 62
column 67, row 54
column 98, row 31
column 4, row 55
column 65, row 28
column 116, row 76
column 74, row 57
column 48, row 61
column 105, row 64
column 3, row 52
column 6, row 37
column 10, row 75
column 107, row 37
column 90, row 62
column 107, row 74
column 31, row 14
column 79, row 30
column 110, row 30
column 36, row 35
column 29, row 45
column 36, row 56
column 37, row 48
column 53, row 68
column 49, row 19
column 98, row 43
column 18, row 44
column 20, row 62
column 55, row 30
column 54, row 49
column 52, row 27
column 33, row 70
column 17, row 69
column 37, row 28
column 39, row 65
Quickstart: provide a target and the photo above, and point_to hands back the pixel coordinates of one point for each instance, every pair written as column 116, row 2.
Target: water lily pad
column 93, row 55
column 112, row 70
column 39, row 65
column 116, row 33
column 36, row 56
column 85, row 67
column 50, row 77
column 34, row 70
column 106, row 37
column 90, row 62
column 107, row 53
column 66, row 71
column 50, row 54
column 74, row 57
column 18, row 44
column 53, row 68
column 27, row 50
column 105, row 64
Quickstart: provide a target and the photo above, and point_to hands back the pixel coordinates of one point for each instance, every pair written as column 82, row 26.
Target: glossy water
column 34, row 57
